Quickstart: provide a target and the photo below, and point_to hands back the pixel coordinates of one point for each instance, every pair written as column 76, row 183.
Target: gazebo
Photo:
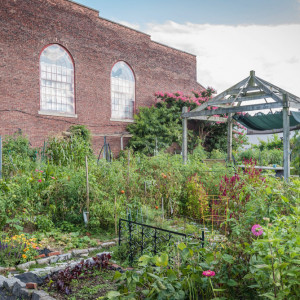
column 250, row 95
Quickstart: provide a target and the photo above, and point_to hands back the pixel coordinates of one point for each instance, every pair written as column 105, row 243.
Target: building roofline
column 84, row 6
column 138, row 31
column 173, row 48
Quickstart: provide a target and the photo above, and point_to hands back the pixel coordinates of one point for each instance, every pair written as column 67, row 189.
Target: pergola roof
column 238, row 99
column 243, row 97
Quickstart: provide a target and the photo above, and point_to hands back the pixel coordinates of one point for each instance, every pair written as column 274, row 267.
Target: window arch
column 122, row 91
column 57, row 80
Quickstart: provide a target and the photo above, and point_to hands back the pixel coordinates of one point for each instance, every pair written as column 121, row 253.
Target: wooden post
column 87, row 189
column 286, row 138
column 252, row 75
column 184, row 136
column 116, row 223
column 229, row 138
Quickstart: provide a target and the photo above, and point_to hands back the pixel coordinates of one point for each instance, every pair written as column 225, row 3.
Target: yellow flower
column 24, row 256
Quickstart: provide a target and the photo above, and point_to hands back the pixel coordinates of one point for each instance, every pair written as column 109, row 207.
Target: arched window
column 122, row 91
column 57, row 80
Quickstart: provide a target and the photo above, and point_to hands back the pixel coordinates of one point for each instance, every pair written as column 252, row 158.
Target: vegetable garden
column 251, row 246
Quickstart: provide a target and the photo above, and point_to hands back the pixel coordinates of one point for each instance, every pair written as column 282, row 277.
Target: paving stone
column 43, row 261
column 78, row 252
column 108, row 244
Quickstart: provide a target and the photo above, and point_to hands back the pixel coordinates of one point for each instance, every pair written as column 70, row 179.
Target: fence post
column 130, row 244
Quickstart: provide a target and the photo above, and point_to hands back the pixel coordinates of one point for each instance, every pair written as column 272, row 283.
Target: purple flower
column 257, row 230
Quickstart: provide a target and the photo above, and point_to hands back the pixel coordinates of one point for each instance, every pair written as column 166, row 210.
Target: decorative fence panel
column 142, row 238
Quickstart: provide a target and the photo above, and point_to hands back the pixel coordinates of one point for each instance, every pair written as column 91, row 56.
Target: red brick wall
column 95, row 44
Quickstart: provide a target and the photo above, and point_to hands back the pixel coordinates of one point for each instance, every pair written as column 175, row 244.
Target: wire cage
column 214, row 211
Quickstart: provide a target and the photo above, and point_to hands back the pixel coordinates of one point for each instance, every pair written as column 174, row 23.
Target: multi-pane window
column 122, row 91
column 57, row 80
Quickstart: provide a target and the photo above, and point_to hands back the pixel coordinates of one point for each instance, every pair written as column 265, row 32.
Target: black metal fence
column 142, row 238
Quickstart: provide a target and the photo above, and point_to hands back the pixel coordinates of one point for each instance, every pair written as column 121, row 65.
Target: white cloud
column 130, row 25
column 226, row 54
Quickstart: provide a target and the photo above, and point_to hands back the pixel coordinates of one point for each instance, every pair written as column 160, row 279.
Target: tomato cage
column 214, row 211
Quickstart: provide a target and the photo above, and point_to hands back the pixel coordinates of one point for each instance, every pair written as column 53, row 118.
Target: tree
column 160, row 125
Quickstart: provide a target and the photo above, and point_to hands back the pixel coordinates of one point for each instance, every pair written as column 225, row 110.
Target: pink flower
column 52, row 177
column 257, row 230
column 37, row 170
column 208, row 273
column 40, row 180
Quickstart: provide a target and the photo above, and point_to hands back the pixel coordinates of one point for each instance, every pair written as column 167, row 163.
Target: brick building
column 62, row 64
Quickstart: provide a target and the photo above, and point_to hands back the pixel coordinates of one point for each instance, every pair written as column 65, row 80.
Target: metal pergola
column 244, row 97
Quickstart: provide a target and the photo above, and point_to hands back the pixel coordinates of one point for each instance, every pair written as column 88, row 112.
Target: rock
column 57, row 269
column 25, row 294
column 30, row 277
column 26, row 265
column 92, row 249
column 100, row 253
column 84, row 255
column 9, row 283
column 17, row 288
column 54, row 259
column 41, row 295
column 108, row 244
column 2, row 279
column 43, row 261
column 78, row 252
column 64, row 257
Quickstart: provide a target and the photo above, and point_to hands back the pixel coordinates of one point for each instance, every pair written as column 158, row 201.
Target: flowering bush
column 17, row 249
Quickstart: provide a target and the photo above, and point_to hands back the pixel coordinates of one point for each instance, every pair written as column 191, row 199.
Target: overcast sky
column 229, row 37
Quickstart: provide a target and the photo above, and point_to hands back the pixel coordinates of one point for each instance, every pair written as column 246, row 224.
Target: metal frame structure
column 243, row 97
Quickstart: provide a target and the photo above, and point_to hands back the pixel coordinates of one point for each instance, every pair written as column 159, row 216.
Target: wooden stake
column 87, row 189
column 184, row 136
column 116, row 226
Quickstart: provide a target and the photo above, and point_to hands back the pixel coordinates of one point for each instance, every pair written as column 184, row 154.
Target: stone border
column 18, row 288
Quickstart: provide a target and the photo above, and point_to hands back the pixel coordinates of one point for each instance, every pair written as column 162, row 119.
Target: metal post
column 229, row 138
column 122, row 145
column 184, row 136
column 0, row 157
column 120, row 232
column 286, row 138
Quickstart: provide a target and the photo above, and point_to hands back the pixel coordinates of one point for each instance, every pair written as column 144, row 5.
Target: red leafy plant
column 62, row 280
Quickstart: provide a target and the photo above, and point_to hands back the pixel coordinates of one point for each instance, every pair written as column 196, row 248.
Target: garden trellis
column 249, row 95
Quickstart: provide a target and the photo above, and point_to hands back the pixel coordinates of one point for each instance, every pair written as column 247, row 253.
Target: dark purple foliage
column 62, row 279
